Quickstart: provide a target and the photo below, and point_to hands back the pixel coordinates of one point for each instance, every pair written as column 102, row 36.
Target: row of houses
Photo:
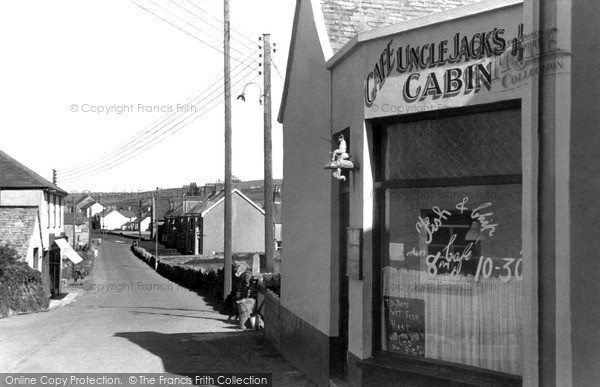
column 195, row 225
column 114, row 216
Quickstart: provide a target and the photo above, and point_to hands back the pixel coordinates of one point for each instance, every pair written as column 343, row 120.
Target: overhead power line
column 141, row 150
column 184, row 31
column 278, row 73
column 218, row 19
column 127, row 148
column 218, row 28
column 196, row 28
column 145, row 132
column 150, row 137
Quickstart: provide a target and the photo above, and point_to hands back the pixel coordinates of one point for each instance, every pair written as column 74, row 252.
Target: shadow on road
column 238, row 352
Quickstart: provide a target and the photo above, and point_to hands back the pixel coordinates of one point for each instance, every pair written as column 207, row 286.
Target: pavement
column 67, row 299
column 126, row 318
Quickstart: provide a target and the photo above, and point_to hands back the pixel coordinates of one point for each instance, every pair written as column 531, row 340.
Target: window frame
column 380, row 185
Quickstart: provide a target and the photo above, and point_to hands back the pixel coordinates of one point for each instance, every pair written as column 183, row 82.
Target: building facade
column 116, row 219
column 196, row 225
column 449, row 253
column 31, row 219
column 82, row 229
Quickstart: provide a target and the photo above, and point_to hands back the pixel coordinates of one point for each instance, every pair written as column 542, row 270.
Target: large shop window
column 451, row 270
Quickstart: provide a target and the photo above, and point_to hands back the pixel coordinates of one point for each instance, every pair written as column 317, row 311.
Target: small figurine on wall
column 340, row 153
column 340, row 159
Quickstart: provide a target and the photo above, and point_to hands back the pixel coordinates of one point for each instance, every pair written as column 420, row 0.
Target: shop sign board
column 473, row 66
column 405, row 325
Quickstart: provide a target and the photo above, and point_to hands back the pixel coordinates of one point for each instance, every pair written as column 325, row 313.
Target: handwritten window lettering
column 405, row 329
column 457, row 294
column 448, row 249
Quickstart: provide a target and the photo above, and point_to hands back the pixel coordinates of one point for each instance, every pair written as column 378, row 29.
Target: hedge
column 21, row 287
column 207, row 281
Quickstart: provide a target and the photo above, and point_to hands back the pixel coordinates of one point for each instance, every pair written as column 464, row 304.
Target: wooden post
column 228, row 208
column 155, row 226
column 268, row 189
column 74, row 222
column 139, row 218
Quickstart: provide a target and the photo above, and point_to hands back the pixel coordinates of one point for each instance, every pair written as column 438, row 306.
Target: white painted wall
column 36, row 242
column 21, row 197
column 145, row 224
column 114, row 221
column 95, row 209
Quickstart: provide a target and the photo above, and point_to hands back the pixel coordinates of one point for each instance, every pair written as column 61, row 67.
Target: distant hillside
column 171, row 196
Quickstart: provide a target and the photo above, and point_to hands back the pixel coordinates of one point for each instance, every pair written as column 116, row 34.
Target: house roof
column 346, row 18
column 342, row 20
column 125, row 213
column 17, row 226
column 191, row 202
column 210, row 201
column 178, row 210
column 88, row 205
column 83, row 200
column 163, row 207
column 215, row 198
column 17, row 176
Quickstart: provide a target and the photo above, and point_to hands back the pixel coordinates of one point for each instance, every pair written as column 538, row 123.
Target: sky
column 116, row 99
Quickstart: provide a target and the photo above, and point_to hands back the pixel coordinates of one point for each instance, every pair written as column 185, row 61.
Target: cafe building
column 457, row 242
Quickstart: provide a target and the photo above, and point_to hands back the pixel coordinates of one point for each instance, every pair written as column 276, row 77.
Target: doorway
column 54, row 266
column 344, row 222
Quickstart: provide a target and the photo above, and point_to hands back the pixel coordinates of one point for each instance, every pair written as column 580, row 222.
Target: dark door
column 54, row 266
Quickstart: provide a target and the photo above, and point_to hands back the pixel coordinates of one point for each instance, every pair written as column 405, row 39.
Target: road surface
column 130, row 319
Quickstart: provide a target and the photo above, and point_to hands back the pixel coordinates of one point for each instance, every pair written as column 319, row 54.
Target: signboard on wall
column 405, row 325
column 476, row 64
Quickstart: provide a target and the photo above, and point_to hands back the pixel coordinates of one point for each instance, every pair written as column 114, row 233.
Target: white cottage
column 31, row 219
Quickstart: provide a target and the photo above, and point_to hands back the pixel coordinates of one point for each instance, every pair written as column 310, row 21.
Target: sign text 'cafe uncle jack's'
column 409, row 62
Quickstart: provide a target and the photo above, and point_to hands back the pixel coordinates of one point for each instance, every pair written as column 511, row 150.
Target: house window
column 60, row 213
column 36, row 258
column 47, row 200
column 449, row 196
column 53, row 211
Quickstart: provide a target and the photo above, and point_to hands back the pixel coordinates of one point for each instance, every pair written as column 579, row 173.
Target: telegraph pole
column 74, row 221
column 268, row 194
column 102, row 219
column 139, row 219
column 155, row 225
column 228, row 208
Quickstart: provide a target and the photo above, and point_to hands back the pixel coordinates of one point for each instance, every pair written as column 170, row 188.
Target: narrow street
column 130, row 319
